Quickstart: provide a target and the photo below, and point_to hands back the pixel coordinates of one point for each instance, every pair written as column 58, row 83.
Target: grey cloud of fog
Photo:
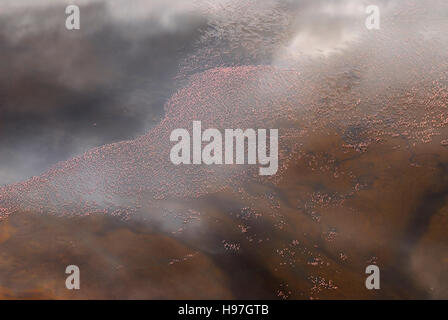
column 63, row 92
column 279, row 32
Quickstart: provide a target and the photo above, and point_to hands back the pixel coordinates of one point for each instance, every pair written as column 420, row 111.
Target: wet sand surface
column 363, row 179
column 311, row 236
